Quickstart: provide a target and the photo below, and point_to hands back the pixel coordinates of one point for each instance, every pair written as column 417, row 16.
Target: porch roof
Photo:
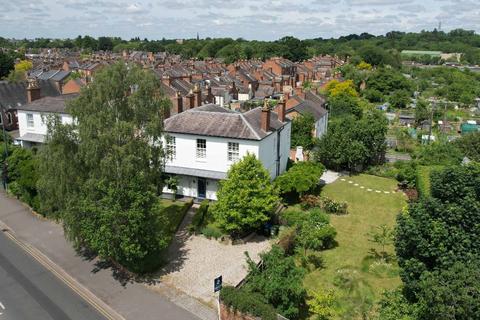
column 210, row 174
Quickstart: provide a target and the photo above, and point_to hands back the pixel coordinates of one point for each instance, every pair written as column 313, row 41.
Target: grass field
column 355, row 275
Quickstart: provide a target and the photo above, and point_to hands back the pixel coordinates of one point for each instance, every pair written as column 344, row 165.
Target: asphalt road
column 29, row 291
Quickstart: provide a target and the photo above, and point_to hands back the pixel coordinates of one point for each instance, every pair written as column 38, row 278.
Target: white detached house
column 205, row 141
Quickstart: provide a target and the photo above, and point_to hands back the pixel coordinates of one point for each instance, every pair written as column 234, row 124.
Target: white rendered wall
column 217, row 152
column 39, row 121
column 188, row 187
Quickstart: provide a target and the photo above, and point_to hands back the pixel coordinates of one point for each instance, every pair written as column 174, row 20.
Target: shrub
column 199, row 217
column 316, row 232
column 309, row 201
column 287, row 239
column 423, row 175
column 251, row 303
column 301, row 178
column 292, row 216
column 279, row 280
column 332, row 206
column 211, row 231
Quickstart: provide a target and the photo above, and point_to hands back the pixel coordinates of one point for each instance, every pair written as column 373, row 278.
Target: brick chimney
column 33, row 90
column 198, row 95
column 178, row 103
column 281, row 110
column 190, row 100
column 210, row 97
column 265, row 120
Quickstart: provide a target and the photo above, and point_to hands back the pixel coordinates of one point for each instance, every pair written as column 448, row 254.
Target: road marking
column 3, row 308
column 63, row 278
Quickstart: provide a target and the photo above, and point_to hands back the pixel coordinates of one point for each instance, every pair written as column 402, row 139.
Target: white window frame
column 233, row 151
column 201, row 149
column 171, row 146
column 30, row 120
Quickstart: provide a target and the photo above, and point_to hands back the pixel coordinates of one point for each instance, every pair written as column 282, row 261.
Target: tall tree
column 108, row 167
column 6, row 64
column 246, row 198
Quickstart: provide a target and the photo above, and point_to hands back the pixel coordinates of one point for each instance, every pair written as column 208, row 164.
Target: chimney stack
column 33, row 90
column 281, row 110
column 178, row 103
column 191, row 100
column 198, row 95
column 265, row 120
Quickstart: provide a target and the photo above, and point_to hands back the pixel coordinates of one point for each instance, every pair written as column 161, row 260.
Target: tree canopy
column 246, row 198
column 103, row 173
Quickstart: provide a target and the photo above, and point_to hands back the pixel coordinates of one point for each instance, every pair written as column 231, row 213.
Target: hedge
column 199, row 217
column 246, row 302
column 423, row 179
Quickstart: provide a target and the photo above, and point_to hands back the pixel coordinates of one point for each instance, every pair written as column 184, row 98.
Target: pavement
column 129, row 298
column 30, row 291
column 329, row 176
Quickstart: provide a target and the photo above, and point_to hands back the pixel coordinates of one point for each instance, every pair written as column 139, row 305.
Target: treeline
column 389, row 45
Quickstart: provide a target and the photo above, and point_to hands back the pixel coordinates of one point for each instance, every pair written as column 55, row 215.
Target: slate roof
column 216, row 121
column 50, row 104
column 14, row 94
column 312, row 103
column 210, row 174
column 55, row 75
column 308, row 106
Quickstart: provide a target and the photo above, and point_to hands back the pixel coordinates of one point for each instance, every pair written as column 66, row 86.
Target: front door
column 202, row 188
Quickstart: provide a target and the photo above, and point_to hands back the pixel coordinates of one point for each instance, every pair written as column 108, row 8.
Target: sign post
column 217, row 286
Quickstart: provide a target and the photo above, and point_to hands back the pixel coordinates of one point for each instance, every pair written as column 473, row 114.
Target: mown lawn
column 350, row 269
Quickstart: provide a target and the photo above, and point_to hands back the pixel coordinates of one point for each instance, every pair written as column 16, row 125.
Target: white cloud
column 249, row 19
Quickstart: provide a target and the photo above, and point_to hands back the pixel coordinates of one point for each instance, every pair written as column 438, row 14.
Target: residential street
column 28, row 291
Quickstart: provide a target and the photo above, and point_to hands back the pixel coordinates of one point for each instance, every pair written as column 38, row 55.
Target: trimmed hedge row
column 247, row 302
column 199, row 217
column 423, row 179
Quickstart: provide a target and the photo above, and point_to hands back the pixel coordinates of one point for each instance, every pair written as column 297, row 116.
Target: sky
column 248, row 19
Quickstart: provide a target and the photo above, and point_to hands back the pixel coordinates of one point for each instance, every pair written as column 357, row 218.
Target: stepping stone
column 350, row 181
column 369, row 190
column 387, row 192
column 343, row 179
column 356, row 184
column 378, row 191
column 362, row 187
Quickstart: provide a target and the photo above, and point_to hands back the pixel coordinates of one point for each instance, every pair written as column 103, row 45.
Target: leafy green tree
column 452, row 293
column 437, row 232
column 440, row 153
column 302, row 130
column 108, row 168
column 105, row 44
column 352, row 144
column 344, row 105
column 383, row 236
column 400, row 99
column 246, row 198
column 6, row 64
column 469, row 144
column 394, row 306
column 300, row 178
column 279, row 280
column 23, row 175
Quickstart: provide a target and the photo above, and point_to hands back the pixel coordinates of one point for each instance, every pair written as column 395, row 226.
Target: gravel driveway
column 196, row 261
